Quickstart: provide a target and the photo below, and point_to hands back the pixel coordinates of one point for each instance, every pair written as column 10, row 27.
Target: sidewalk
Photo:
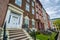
column 59, row 36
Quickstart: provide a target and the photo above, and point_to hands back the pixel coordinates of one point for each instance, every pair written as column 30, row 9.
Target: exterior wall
column 39, row 15
column 51, row 24
column 29, row 14
column 3, row 10
column 48, row 19
column 41, row 19
column 26, row 13
column 4, row 6
column 45, row 19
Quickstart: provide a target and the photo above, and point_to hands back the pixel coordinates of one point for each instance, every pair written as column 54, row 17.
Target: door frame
column 16, row 10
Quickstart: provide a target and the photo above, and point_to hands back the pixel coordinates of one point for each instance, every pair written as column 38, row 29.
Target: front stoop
column 27, row 34
column 1, row 33
column 18, row 34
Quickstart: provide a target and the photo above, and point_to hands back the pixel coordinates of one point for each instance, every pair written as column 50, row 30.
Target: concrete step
column 19, row 38
column 17, row 35
column 1, row 34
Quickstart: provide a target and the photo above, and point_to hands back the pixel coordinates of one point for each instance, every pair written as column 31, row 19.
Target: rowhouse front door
column 14, row 20
column 14, row 17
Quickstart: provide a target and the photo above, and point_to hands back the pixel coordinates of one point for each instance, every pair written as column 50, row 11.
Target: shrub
column 37, row 32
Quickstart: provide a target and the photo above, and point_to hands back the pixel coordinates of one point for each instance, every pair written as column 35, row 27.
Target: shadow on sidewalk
column 56, row 37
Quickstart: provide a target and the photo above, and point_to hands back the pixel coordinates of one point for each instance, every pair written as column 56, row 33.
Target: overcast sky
column 52, row 7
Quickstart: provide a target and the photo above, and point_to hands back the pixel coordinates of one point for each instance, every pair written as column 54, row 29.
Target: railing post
column 4, row 33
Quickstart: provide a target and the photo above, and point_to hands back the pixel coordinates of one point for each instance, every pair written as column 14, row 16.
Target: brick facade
column 39, row 15
column 3, row 10
column 4, row 6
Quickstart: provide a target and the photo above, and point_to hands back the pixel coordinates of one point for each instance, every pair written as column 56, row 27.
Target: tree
column 57, row 23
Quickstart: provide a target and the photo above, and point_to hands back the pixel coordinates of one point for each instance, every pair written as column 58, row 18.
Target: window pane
column 26, row 21
column 32, row 10
column 33, row 4
column 18, row 2
column 33, row 23
column 27, row 7
column 28, row 0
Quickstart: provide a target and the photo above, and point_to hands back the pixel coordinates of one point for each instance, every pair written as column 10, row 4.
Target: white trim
column 11, row 5
column 30, row 38
column 26, row 17
column 33, row 20
column 16, row 10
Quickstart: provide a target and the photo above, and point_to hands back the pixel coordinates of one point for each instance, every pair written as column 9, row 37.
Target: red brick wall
column 49, row 24
column 3, row 9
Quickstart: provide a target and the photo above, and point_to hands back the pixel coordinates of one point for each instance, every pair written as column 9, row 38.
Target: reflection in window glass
column 32, row 10
column 32, row 3
column 18, row 2
column 28, row 0
column 27, row 7
column 26, row 21
column 33, row 24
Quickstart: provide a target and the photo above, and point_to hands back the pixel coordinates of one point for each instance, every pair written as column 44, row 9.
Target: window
column 14, row 19
column 33, row 23
column 18, row 2
column 27, row 7
column 32, row 3
column 32, row 10
column 37, row 16
column 28, row 0
column 26, row 21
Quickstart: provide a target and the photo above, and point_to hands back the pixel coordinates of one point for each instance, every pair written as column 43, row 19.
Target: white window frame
column 16, row 10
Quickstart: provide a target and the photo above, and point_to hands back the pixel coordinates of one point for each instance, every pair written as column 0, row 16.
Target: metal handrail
column 4, row 33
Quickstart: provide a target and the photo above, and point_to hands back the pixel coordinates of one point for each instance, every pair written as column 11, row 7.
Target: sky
column 52, row 7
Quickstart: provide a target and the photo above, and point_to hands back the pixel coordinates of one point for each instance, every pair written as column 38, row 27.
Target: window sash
column 32, row 3
column 32, row 10
column 27, row 7
column 13, row 15
column 18, row 2
column 26, row 21
column 28, row 0
column 33, row 24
